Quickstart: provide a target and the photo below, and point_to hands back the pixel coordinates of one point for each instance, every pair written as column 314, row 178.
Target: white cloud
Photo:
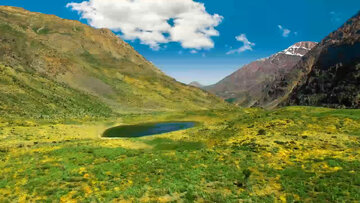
column 193, row 51
column 154, row 22
column 247, row 45
column 335, row 17
column 285, row 31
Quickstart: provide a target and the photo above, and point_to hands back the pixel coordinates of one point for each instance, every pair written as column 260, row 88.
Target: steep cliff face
column 91, row 62
column 332, row 71
column 245, row 86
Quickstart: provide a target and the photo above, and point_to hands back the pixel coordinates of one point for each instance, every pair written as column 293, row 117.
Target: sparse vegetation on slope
column 27, row 95
column 245, row 87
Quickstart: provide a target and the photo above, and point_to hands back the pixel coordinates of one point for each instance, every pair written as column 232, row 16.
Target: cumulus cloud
column 153, row 22
column 285, row 31
column 247, row 45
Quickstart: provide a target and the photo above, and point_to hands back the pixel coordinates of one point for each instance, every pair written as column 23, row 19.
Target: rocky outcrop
column 330, row 74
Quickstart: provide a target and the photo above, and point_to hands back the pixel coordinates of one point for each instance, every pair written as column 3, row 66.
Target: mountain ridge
column 244, row 86
column 332, row 77
column 93, row 62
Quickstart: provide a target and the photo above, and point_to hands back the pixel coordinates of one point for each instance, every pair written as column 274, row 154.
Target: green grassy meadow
column 292, row 154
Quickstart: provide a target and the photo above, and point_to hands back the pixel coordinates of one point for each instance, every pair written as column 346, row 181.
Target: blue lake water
column 147, row 129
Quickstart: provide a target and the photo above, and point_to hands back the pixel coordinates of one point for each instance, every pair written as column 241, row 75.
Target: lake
column 146, row 129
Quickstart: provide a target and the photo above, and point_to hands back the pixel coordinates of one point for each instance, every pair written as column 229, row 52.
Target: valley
column 85, row 118
column 287, row 154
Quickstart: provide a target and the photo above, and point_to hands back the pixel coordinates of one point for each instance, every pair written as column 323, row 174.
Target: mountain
column 196, row 84
column 245, row 86
column 51, row 66
column 329, row 75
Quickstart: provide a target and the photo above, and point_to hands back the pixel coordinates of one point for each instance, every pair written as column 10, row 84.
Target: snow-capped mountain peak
column 299, row 49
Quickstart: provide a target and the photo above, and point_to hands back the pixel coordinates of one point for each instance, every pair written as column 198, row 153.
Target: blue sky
column 206, row 58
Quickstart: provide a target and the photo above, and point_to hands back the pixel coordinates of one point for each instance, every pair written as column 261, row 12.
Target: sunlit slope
column 27, row 95
column 91, row 62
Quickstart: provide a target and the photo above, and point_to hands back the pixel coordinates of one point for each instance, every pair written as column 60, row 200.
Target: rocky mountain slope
column 51, row 66
column 332, row 70
column 245, row 86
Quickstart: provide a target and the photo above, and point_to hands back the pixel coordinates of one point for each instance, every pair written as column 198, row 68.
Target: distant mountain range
column 245, row 86
column 196, row 84
column 306, row 73
column 55, row 67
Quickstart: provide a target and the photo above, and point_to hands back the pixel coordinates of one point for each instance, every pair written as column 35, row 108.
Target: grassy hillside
column 294, row 154
column 23, row 94
column 90, row 70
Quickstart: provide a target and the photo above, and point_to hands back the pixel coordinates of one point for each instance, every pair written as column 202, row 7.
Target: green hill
column 55, row 67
